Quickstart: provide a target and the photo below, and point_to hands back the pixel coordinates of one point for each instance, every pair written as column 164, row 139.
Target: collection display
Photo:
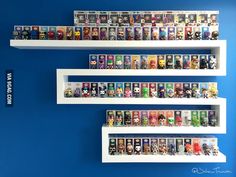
column 114, row 33
column 195, row 118
column 144, row 61
column 125, row 145
column 141, row 90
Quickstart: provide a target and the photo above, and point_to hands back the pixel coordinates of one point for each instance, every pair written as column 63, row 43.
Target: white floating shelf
column 165, row 130
column 221, row 158
column 141, row 72
column 98, row 45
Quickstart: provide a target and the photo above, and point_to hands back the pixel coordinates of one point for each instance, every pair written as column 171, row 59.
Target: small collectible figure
column 188, row 149
column 179, row 90
column 197, row 148
column 101, row 61
column 119, row 120
column 112, row 146
column 203, row 62
column 170, row 93
column 119, row 90
column 162, row 146
column 171, row 33
column 195, row 118
column 102, row 89
column 61, row 33
column 170, row 118
column 94, row 89
column 188, row 33
column 144, row 118
column 152, row 90
column 86, row 33
column 144, row 62
column 194, row 62
column 17, row 32
column 195, row 90
column 69, row 33
column 146, row 147
column 162, row 33
column 169, row 62
column 179, row 33
column 52, row 33
column 137, row 33
column 103, row 17
column 206, row 149
column 77, row 33
column 95, row 33
column 136, row 90
column 214, row 35
column 146, row 33
column 186, row 115
column 92, row 18
column 137, row 146
column 191, row 19
column 187, row 90
column 93, row 64
column 197, row 33
column 180, row 146
column 215, row 150
column 120, row 33
column 112, row 33
column 204, row 90
column 43, row 31
column 161, row 61
column 129, row 146
column 161, row 90
column 212, row 121
column 186, row 62
column 119, row 61
column 152, row 118
column 203, row 118
column 85, row 90
column 212, row 90
column 110, row 118
column 152, row 61
column 205, row 33
column 144, row 90
column 103, row 33
column 136, row 118
column 161, row 118
column 135, row 61
column 110, row 61
column 154, row 33
column 127, row 90
column 178, row 61
column 68, row 91
column 77, row 92
column 154, row 146
column 127, row 118
column 127, row 62
column 25, row 34
column 35, row 32
column 113, row 18
column 129, row 33
column 178, row 118
column 121, row 145
column 171, row 146
column 111, row 89
column 212, row 61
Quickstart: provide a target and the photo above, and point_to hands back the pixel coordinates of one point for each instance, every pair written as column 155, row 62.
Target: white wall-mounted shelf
column 107, row 158
column 221, row 158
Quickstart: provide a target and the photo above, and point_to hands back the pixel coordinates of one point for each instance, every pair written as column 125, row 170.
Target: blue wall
column 42, row 139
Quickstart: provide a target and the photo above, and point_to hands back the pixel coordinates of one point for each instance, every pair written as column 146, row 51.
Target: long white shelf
column 141, row 72
column 97, row 45
column 221, row 158
column 221, row 129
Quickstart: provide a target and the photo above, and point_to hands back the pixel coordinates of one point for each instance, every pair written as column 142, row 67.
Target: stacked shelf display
column 217, row 47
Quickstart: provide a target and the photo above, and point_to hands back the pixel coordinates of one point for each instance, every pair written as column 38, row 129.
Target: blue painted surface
column 42, row 139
